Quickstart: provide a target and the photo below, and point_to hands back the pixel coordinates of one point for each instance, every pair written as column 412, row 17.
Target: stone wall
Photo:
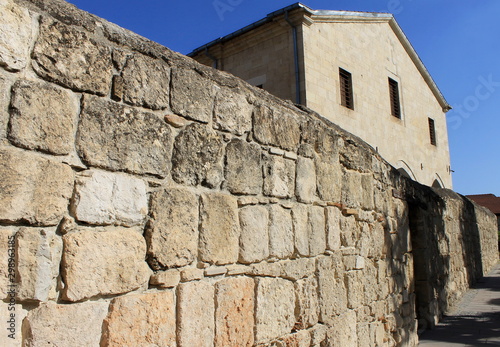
column 149, row 200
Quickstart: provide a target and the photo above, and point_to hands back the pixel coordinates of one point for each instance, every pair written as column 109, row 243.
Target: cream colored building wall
column 372, row 53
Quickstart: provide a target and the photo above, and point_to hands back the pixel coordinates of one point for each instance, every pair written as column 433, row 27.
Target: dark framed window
column 432, row 132
column 346, row 96
column 394, row 95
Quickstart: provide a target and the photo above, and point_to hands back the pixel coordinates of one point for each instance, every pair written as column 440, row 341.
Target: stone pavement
column 475, row 321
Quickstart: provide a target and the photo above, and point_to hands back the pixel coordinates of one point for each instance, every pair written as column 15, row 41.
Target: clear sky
column 458, row 41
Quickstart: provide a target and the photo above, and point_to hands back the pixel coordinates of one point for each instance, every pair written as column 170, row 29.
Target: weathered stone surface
column 318, row 334
column 71, row 58
column 275, row 306
column 146, row 82
column 38, row 259
column 298, row 339
column 332, row 291
column 120, row 138
column 33, row 189
column 279, row 176
column 70, row 325
column 175, row 121
column 166, row 279
column 197, row 157
column 172, row 232
column 43, row 117
column 297, row 269
column 243, row 167
column 343, row 330
column 280, row 232
column 105, row 198
column 234, row 315
column 191, row 274
column 354, row 285
column 12, row 335
column 333, row 215
column 307, row 312
column 276, row 127
column 367, row 188
column 328, row 178
column 103, row 263
column 349, row 231
column 15, row 36
column 193, row 96
column 232, row 112
column 6, row 82
column 305, row 189
column 268, row 269
column 138, row 320
column 317, row 230
column 300, row 217
column 196, row 310
column 7, row 251
column 254, row 237
column 220, row 230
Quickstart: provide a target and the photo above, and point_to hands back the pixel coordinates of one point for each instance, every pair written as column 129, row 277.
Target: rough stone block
column 232, row 112
column 300, row 218
column 191, row 274
column 6, row 81
column 33, row 189
column 70, row 325
column 172, row 232
column 234, row 315
column 166, row 279
column 105, row 198
column 352, row 195
column 298, row 339
column 367, row 188
column 343, row 330
column 243, row 167
column 7, row 251
column 120, row 138
column 43, row 117
column 16, row 31
column 279, row 176
column 328, row 178
column 144, row 319
column 192, row 96
column 70, row 57
column 354, row 285
column 103, row 263
column 146, row 82
column 197, row 157
column 220, row 230
column 307, row 312
column 332, row 290
column 275, row 306
column 254, row 237
column 305, row 189
column 317, row 230
column 38, row 259
column 349, row 231
column 14, row 337
column 196, row 311
column 276, row 127
column 281, row 244
column 333, row 216
column 297, row 269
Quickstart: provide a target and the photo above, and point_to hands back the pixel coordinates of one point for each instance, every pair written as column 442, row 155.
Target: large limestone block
column 192, row 96
column 276, row 127
column 7, row 251
column 232, row 112
column 300, row 218
column 243, row 167
column 197, row 157
column 71, row 58
column 138, row 320
column 355, row 289
column 281, row 242
column 105, row 198
column 343, row 330
column 305, row 189
column 220, row 229
column 332, row 290
column 6, row 82
column 38, row 261
column 172, row 232
column 15, row 35
column 254, row 237
column 307, row 312
column 103, row 263
column 51, row 324
column 33, row 189
column 328, row 178
column 196, row 309
column 12, row 335
column 317, row 230
column 146, row 82
column 279, row 176
column 43, row 117
column 120, row 138
column 275, row 308
column 333, row 216
column 234, row 315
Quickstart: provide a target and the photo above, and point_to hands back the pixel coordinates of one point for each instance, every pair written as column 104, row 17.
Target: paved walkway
column 475, row 321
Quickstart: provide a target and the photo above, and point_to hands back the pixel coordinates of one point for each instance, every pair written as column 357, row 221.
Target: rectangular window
column 346, row 97
column 432, row 132
column 394, row 94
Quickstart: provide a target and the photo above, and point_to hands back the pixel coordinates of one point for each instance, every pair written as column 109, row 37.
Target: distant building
column 357, row 69
column 489, row 201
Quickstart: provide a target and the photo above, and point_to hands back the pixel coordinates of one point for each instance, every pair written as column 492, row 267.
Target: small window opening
column 432, row 132
column 394, row 94
column 346, row 95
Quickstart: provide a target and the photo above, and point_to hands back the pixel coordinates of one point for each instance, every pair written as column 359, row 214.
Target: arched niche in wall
column 405, row 169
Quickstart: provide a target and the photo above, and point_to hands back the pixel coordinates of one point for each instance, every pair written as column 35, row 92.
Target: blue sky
column 458, row 41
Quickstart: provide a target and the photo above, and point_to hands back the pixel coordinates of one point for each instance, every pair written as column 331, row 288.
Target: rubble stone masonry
column 157, row 202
